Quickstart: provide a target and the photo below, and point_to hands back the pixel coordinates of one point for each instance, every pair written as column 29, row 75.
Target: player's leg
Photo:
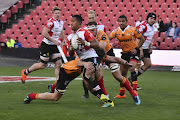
column 57, row 60
column 96, row 89
column 63, row 81
column 85, row 87
column 99, row 78
column 124, row 71
column 34, row 67
column 133, row 73
column 147, row 65
column 41, row 64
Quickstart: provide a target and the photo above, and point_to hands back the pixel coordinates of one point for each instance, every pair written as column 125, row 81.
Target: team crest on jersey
column 49, row 24
column 103, row 37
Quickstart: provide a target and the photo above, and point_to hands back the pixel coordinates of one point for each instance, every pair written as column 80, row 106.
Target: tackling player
column 130, row 50
column 52, row 31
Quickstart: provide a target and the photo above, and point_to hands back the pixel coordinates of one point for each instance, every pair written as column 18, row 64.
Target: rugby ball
column 74, row 42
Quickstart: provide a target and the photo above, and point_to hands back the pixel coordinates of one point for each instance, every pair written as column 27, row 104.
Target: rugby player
column 126, row 35
column 146, row 28
column 52, row 31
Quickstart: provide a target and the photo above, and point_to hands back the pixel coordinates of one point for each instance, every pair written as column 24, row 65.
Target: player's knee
column 114, row 67
column 149, row 65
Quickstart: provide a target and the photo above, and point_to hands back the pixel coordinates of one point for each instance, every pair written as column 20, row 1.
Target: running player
column 52, row 31
column 146, row 28
column 130, row 50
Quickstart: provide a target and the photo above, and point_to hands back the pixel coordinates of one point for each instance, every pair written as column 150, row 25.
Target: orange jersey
column 71, row 67
column 102, row 36
column 126, row 37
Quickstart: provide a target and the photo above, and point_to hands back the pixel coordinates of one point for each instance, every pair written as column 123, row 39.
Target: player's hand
column 134, row 51
column 80, row 41
column 57, row 42
column 89, row 66
column 127, row 64
column 150, row 51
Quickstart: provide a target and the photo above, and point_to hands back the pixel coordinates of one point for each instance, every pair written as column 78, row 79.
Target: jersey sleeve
column 142, row 28
column 113, row 34
column 137, row 34
column 49, row 24
column 88, row 35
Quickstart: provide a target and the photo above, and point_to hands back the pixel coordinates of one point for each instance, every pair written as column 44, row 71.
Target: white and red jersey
column 84, row 52
column 55, row 27
column 148, row 33
column 99, row 27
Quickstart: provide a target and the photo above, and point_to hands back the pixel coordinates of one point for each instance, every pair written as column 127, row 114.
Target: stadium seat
column 8, row 32
column 3, row 37
column 8, row 13
column 3, row 18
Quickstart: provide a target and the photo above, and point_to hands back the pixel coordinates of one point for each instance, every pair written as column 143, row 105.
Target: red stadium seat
column 3, row 37
column 8, row 13
column 8, row 32
column 14, row 9
column 26, row 1
column 3, row 18
column 20, row 4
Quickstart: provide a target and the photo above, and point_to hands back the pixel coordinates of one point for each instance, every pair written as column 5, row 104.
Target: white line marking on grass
column 5, row 79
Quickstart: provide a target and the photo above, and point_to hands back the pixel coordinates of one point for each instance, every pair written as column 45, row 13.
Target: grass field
column 160, row 99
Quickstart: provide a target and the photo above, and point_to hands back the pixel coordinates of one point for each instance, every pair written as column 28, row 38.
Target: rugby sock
column 85, row 89
column 126, row 84
column 122, row 90
column 97, row 89
column 33, row 96
column 101, row 84
column 26, row 71
column 140, row 71
column 53, row 86
column 134, row 80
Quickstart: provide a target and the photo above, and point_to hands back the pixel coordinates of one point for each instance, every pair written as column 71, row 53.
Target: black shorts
column 48, row 50
column 109, row 53
column 65, row 79
column 146, row 53
column 129, row 56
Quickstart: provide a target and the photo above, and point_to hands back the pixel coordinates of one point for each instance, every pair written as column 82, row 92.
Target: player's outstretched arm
column 117, row 60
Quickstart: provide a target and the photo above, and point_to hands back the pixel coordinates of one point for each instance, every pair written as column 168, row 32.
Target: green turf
column 160, row 99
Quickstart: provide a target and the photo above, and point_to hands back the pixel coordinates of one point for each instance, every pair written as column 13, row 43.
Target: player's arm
column 112, row 35
column 141, row 41
column 87, row 65
column 150, row 48
column 45, row 33
column 116, row 60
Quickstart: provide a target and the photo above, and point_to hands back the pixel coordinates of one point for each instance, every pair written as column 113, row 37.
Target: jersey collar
column 125, row 28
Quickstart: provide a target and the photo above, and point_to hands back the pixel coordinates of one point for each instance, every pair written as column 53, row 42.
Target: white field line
column 45, row 79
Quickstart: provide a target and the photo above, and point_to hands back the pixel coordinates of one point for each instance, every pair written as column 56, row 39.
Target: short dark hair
column 123, row 16
column 78, row 17
column 8, row 37
column 91, row 23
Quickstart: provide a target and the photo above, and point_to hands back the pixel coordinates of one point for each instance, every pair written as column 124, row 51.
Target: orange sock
column 126, row 84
